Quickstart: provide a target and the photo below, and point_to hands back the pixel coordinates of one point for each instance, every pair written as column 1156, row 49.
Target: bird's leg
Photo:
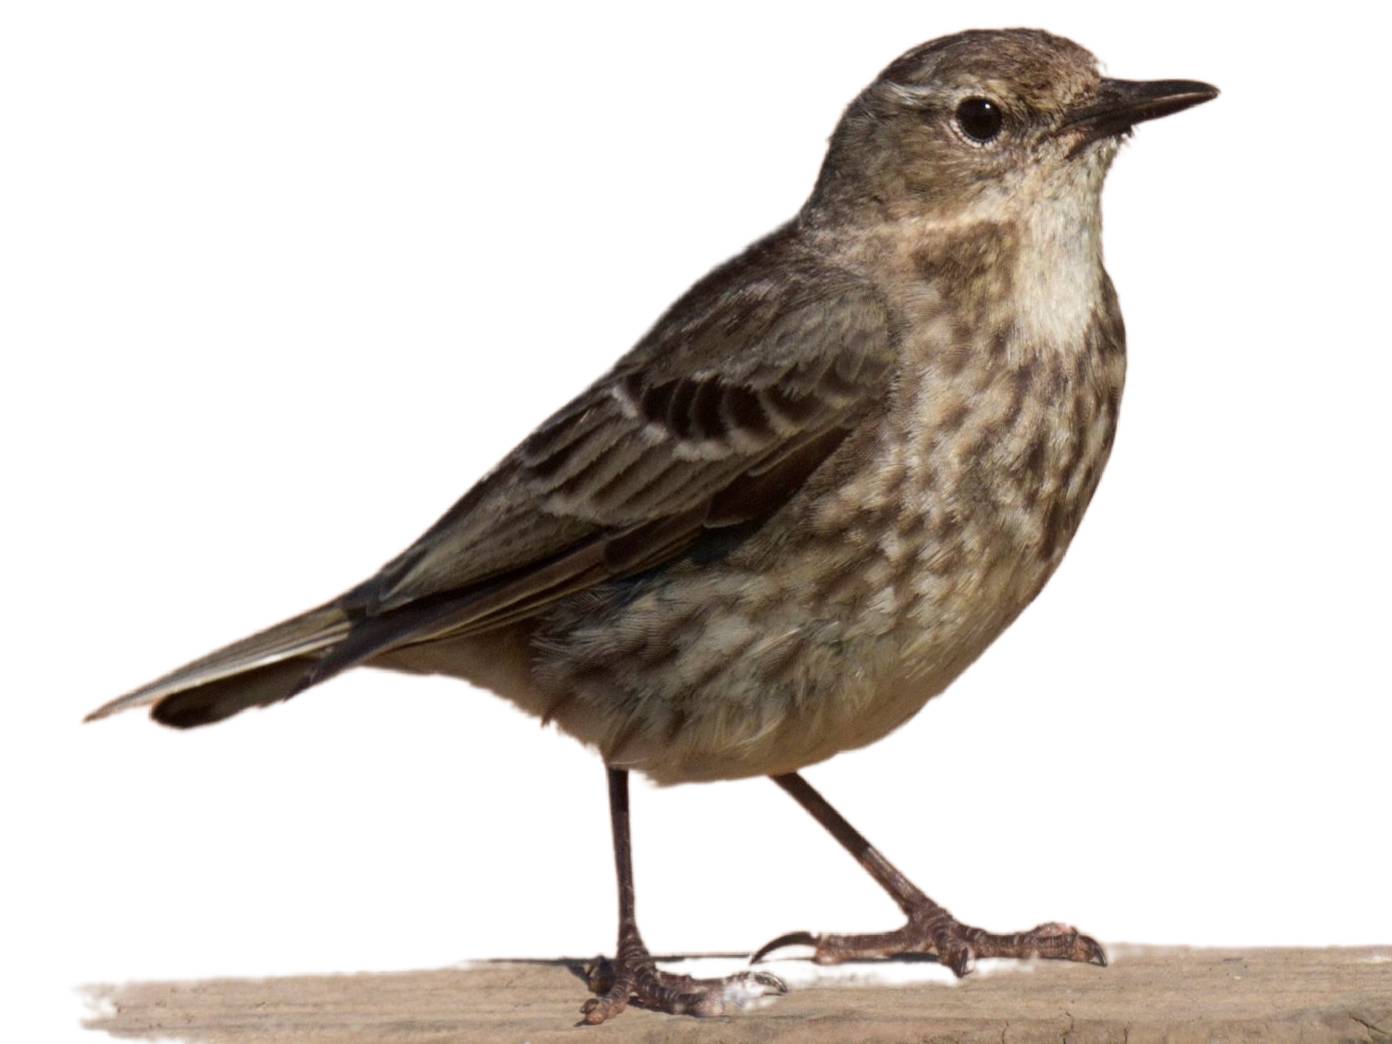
column 632, row 977
column 931, row 930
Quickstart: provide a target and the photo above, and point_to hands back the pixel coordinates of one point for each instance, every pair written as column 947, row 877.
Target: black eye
column 980, row 119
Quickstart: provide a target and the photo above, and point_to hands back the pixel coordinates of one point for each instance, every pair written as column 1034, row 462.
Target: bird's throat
column 1058, row 276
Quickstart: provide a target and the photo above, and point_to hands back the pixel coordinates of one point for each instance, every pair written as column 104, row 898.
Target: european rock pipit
column 829, row 476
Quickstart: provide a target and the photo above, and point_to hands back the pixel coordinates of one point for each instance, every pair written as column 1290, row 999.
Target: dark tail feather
column 366, row 638
column 254, row 672
column 220, row 699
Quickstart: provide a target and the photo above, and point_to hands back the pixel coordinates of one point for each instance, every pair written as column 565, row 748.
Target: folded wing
column 715, row 419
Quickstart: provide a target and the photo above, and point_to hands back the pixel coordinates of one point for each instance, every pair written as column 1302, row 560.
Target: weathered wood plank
column 1148, row 994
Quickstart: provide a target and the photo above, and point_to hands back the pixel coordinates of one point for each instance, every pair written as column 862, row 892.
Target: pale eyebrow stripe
column 914, row 95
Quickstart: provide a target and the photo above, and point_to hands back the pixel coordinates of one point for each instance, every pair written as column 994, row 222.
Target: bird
column 814, row 492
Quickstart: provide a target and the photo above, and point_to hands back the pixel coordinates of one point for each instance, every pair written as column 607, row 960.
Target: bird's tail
column 254, row 672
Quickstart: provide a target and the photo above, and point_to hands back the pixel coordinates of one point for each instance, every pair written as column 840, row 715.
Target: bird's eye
column 980, row 119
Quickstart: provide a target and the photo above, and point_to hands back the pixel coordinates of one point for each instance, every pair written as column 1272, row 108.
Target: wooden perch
column 1149, row 994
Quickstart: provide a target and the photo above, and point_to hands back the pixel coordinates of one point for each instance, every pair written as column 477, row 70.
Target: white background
column 281, row 280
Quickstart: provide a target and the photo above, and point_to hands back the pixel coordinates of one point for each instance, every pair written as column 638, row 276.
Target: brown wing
column 715, row 419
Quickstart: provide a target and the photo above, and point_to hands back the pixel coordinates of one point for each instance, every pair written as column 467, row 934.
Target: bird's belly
column 834, row 624
column 728, row 672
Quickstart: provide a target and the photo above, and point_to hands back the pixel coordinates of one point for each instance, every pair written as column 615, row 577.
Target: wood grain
column 1148, row 994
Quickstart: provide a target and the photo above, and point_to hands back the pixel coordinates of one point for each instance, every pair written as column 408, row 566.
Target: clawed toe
column 635, row 979
column 932, row 932
column 790, row 939
column 1064, row 942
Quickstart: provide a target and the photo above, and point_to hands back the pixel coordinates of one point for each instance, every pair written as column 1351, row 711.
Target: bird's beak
column 1121, row 104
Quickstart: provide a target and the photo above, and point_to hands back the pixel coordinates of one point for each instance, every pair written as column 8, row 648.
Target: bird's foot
column 933, row 932
column 633, row 978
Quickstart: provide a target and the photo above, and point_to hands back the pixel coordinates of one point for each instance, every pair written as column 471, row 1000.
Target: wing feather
column 740, row 375
column 716, row 418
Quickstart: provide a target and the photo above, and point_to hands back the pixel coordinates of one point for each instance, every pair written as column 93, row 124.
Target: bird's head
column 987, row 119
